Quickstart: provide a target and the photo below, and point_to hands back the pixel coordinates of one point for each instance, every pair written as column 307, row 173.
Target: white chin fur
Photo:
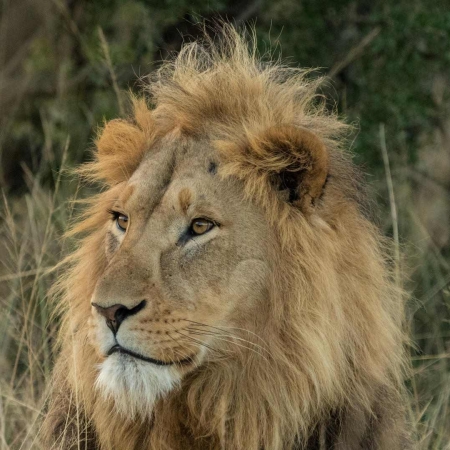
column 135, row 385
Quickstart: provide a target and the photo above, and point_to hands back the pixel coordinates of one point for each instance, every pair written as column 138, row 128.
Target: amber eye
column 120, row 219
column 122, row 222
column 201, row 226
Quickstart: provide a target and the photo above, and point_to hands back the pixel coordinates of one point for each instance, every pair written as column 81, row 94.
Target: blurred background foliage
column 65, row 66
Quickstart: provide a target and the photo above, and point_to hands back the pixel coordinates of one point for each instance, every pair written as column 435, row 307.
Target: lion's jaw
column 198, row 293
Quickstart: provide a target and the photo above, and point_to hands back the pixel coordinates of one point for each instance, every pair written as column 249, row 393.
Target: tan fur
column 304, row 319
column 185, row 199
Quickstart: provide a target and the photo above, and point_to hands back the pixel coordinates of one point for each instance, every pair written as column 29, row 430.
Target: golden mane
column 335, row 312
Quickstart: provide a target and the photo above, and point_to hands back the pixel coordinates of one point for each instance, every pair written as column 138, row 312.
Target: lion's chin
column 135, row 386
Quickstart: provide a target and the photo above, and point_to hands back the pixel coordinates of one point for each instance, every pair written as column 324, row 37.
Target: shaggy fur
column 315, row 357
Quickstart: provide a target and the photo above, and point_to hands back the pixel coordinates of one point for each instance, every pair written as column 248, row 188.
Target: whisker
column 197, row 342
column 231, row 328
column 181, row 354
column 234, row 337
column 220, row 338
column 187, row 336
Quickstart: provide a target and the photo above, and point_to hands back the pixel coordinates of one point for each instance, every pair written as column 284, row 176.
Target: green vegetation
column 65, row 67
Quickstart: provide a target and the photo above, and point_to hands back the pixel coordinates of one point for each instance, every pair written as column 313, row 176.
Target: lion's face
column 186, row 265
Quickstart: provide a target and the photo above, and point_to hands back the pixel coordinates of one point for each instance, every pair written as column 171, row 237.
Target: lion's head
column 186, row 266
column 229, row 292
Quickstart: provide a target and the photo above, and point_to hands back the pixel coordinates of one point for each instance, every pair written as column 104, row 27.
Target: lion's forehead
column 168, row 168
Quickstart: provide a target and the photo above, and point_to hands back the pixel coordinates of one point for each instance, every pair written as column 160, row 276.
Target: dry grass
column 31, row 229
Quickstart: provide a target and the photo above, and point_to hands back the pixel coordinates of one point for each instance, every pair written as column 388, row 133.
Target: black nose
column 116, row 314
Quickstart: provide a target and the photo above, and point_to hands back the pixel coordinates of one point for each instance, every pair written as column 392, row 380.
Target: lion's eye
column 120, row 219
column 122, row 222
column 201, row 226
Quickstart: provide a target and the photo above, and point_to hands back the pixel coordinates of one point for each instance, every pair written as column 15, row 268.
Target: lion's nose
column 116, row 314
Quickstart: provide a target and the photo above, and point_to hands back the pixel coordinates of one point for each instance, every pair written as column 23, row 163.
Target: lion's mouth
column 118, row 349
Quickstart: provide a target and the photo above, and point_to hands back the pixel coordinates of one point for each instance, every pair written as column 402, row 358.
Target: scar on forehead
column 212, row 169
column 126, row 194
column 185, row 199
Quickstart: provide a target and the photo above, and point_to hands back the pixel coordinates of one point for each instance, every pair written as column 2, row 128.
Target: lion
column 229, row 290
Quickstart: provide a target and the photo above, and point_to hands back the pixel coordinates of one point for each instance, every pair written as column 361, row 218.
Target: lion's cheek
column 248, row 286
column 196, row 271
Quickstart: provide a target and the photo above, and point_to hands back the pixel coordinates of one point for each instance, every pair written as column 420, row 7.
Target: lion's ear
column 122, row 143
column 291, row 160
column 299, row 161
